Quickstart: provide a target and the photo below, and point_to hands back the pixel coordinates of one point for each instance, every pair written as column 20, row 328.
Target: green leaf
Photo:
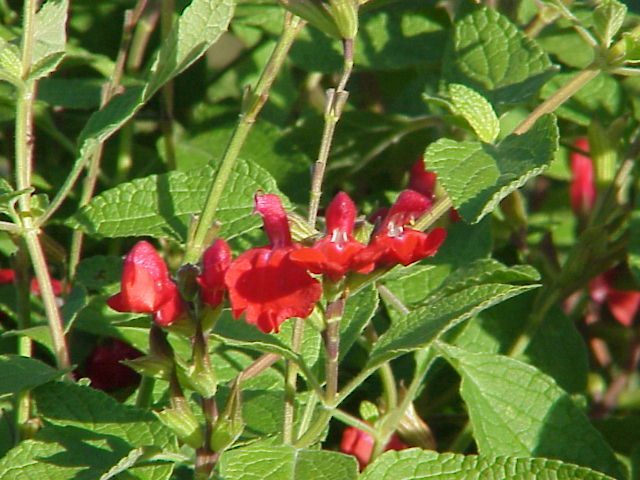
column 71, row 405
column 100, row 271
column 403, row 36
column 358, row 310
column 476, row 110
column 22, row 373
column 10, row 63
column 447, row 307
column 286, row 463
column 87, row 434
column 631, row 47
column 478, row 176
column 493, row 57
column 241, row 334
column 162, row 205
column 265, row 147
column 416, row 464
column 557, row 348
column 50, row 38
column 75, row 301
column 29, row 460
column 199, row 26
column 608, row 17
column 516, row 410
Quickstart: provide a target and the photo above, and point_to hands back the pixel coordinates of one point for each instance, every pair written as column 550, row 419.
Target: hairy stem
column 558, row 98
column 253, row 104
column 291, row 380
column 24, row 128
column 336, row 100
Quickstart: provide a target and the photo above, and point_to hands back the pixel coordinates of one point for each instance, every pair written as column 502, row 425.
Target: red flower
column 8, row 275
column 623, row 304
column 422, row 181
column 334, row 254
column 147, row 288
column 263, row 282
column 104, row 369
column 360, row 444
column 582, row 189
column 215, row 263
column 395, row 243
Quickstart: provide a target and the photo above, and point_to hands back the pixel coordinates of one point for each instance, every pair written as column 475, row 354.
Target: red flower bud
column 215, row 263
column 146, row 287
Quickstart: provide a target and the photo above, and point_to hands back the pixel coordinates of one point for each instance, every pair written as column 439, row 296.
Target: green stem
column 336, row 99
column 167, row 7
column 424, row 360
column 255, row 100
column 314, row 432
column 56, row 325
column 389, row 389
column 144, row 396
column 88, row 188
column 441, row 207
column 94, row 154
column 291, row 380
column 24, row 128
column 352, row 421
column 25, row 345
column 335, row 310
column 10, row 227
column 547, row 299
column 558, row 98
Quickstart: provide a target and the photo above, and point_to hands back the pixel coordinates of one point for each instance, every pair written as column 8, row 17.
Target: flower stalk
column 336, row 100
column 256, row 99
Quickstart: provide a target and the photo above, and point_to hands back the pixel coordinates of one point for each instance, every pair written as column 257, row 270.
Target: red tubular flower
column 215, row 263
column 582, row 188
column 147, row 288
column 395, row 243
column 104, row 369
column 334, row 254
column 263, row 282
column 623, row 304
column 422, row 181
column 360, row 444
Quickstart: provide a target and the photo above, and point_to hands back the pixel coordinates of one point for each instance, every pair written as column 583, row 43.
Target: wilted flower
column 104, row 369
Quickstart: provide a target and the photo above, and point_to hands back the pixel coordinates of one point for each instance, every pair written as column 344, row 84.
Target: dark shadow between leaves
column 83, row 448
column 568, row 435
